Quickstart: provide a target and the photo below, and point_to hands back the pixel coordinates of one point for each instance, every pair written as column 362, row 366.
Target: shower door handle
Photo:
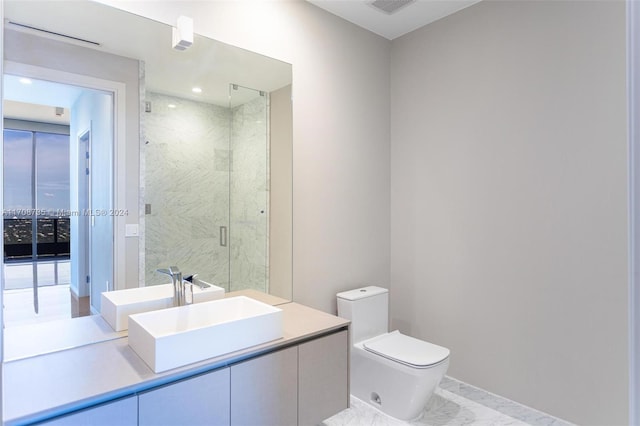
column 223, row 236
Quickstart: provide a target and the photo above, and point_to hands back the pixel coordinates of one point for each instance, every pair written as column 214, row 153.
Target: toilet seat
column 406, row 350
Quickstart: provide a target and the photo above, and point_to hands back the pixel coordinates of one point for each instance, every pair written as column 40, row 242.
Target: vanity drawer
column 201, row 400
column 264, row 389
column 323, row 378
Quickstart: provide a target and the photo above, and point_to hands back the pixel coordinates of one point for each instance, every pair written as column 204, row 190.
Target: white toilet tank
column 368, row 310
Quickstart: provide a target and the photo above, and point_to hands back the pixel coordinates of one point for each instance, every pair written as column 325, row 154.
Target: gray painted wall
column 280, row 201
column 509, row 204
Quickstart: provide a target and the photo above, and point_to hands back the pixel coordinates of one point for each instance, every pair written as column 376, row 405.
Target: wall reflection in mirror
column 212, row 183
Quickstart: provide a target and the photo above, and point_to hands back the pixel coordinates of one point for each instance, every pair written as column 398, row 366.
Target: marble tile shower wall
column 250, row 196
column 187, row 183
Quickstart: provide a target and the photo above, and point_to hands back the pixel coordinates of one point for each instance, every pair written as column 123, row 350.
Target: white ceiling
column 37, row 99
column 403, row 21
column 208, row 64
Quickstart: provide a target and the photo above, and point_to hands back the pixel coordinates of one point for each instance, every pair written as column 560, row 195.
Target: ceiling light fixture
column 196, row 90
column 171, row 106
column 25, row 81
column 183, row 33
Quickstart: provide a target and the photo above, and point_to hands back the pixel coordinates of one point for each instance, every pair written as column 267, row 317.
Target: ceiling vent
column 390, row 6
column 47, row 33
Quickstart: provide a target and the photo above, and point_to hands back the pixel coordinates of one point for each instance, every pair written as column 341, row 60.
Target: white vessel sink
column 178, row 336
column 118, row 305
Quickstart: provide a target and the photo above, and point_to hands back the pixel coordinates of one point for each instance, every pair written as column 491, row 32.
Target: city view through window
column 36, row 188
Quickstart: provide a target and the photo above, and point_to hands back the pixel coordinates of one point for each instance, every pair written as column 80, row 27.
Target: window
column 36, row 187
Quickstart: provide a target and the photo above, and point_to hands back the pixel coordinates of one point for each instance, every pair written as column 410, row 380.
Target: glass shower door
column 187, row 161
column 207, row 189
column 249, row 190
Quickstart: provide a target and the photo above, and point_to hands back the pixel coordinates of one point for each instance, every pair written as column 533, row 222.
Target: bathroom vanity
column 301, row 378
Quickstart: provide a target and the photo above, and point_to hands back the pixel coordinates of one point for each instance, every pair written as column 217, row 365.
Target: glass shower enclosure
column 206, row 188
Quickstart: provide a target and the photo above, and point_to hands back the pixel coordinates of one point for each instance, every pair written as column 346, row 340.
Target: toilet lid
column 406, row 349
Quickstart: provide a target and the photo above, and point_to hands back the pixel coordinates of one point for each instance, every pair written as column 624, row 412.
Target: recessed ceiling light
column 171, row 106
column 25, row 80
column 196, row 90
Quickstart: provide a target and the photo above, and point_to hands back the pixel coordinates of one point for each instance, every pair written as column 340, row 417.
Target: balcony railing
column 51, row 235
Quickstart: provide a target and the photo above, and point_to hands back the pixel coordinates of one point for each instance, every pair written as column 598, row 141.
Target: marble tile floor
column 453, row 403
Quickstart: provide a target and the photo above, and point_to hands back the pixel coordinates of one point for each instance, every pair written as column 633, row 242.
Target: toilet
column 393, row 372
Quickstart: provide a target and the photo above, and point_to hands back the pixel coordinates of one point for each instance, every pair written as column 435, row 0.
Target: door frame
column 118, row 91
column 84, row 196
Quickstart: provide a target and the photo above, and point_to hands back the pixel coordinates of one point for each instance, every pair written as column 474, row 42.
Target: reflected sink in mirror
column 118, row 305
column 182, row 335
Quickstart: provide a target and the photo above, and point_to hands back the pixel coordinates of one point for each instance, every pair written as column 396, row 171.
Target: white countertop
column 25, row 341
column 48, row 385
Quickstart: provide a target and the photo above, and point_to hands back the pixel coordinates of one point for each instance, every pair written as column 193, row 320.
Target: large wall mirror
column 123, row 155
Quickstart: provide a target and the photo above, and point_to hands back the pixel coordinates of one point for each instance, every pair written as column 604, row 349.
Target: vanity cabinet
column 264, row 390
column 302, row 385
column 200, row 400
column 299, row 380
column 323, row 378
column 298, row 385
column 123, row 412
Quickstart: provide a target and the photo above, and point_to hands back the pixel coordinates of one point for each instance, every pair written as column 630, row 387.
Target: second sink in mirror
column 118, row 305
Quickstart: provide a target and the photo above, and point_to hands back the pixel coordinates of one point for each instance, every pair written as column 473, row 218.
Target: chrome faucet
column 193, row 279
column 179, row 296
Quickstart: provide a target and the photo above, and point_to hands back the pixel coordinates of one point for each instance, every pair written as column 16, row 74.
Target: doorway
column 51, row 196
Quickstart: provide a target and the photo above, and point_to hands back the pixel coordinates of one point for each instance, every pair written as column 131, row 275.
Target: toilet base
column 395, row 389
